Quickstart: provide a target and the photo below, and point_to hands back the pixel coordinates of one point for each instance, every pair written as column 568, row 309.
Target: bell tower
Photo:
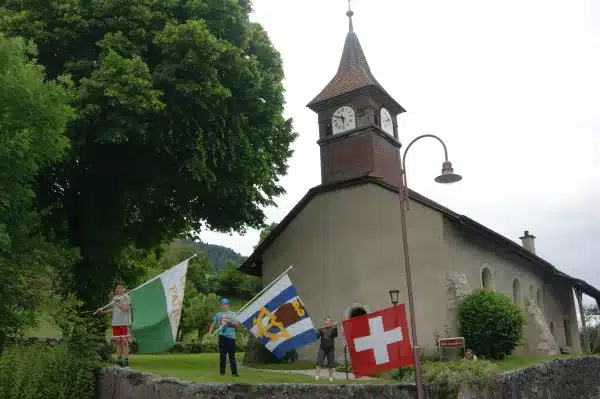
column 358, row 129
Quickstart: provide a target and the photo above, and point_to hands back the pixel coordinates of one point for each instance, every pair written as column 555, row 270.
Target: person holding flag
column 225, row 319
column 121, row 321
column 151, row 312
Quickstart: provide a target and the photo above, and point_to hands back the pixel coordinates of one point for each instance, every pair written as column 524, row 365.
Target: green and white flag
column 156, row 309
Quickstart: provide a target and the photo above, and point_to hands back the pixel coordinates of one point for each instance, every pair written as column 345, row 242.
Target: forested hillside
column 217, row 254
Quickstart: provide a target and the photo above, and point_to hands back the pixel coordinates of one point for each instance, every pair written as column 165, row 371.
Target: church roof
column 253, row 264
column 353, row 72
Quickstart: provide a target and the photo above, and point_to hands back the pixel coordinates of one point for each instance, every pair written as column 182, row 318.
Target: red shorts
column 119, row 331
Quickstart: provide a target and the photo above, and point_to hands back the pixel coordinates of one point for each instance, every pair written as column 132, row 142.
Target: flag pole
column 252, row 300
column 149, row 281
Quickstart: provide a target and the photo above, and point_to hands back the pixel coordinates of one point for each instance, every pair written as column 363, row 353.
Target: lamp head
column 448, row 176
column 394, row 296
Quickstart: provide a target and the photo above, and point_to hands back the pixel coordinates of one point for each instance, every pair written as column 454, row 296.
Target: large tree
column 179, row 123
column 33, row 118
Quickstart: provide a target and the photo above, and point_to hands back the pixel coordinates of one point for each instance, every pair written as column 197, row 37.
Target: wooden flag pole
column 149, row 281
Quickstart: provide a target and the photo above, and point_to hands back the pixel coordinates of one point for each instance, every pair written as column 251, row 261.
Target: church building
column 344, row 237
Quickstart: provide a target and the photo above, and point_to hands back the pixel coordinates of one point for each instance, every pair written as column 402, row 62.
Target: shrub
column 64, row 370
column 491, row 323
column 342, row 368
column 450, row 377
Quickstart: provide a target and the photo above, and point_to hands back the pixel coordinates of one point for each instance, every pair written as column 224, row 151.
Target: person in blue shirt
column 226, row 320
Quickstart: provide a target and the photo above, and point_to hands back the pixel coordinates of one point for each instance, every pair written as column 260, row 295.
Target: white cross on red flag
column 378, row 341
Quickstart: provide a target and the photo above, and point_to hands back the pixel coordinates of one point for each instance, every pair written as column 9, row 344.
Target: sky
column 512, row 87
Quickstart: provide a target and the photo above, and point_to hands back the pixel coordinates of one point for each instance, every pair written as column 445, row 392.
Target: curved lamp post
column 447, row 176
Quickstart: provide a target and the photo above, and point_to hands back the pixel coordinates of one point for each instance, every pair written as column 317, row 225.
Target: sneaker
column 119, row 362
column 125, row 363
column 236, row 375
column 317, row 377
column 331, row 379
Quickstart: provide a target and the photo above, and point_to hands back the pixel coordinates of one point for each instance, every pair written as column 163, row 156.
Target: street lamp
column 447, row 176
column 394, row 296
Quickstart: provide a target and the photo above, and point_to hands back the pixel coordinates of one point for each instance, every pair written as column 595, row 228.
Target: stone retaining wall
column 116, row 383
column 564, row 378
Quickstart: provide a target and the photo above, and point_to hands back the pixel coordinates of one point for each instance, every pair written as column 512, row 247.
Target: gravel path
column 324, row 374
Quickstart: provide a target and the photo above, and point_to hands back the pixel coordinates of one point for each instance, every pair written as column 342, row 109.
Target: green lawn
column 519, row 362
column 46, row 328
column 205, row 368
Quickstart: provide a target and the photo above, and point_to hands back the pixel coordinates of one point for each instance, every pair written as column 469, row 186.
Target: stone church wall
column 547, row 300
column 565, row 378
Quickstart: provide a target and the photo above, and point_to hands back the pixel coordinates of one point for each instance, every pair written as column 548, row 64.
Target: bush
column 450, row 377
column 491, row 323
column 64, row 370
column 342, row 368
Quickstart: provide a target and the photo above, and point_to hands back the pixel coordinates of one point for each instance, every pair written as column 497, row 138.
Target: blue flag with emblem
column 278, row 318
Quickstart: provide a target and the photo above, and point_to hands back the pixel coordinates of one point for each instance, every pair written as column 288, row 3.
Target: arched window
column 357, row 312
column 567, row 331
column 487, row 278
column 531, row 292
column 552, row 329
column 539, row 297
column 517, row 291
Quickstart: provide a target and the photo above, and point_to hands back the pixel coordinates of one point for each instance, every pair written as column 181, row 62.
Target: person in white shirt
column 121, row 322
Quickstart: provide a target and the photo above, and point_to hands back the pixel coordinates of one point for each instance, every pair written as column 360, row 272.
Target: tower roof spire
column 350, row 14
column 353, row 72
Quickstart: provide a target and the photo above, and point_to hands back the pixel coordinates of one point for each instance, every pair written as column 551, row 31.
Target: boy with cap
column 226, row 320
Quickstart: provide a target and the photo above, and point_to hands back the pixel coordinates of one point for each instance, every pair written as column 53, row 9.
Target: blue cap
column 224, row 301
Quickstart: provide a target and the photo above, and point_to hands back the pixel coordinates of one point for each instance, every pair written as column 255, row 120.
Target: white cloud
column 512, row 87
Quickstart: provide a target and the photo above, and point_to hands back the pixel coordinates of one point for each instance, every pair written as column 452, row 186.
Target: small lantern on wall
column 394, row 296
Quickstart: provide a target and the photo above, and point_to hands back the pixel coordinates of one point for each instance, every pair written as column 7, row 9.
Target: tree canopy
column 33, row 120
column 178, row 124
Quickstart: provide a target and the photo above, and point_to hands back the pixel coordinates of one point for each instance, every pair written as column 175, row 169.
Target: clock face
column 343, row 120
column 386, row 122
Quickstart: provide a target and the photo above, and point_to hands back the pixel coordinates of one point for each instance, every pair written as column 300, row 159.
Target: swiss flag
column 378, row 341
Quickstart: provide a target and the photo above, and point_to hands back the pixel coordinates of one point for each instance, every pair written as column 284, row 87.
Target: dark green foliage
column 592, row 319
column 264, row 233
column 178, row 126
column 491, row 323
column 232, row 282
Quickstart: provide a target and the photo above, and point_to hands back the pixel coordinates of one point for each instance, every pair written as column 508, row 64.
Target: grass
column 299, row 365
column 520, row 362
column 205, row 368
column 46, row 327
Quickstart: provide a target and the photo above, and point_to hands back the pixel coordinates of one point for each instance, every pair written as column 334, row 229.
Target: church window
column 567, row 332
column 531, row 292
column 539, row 298
column 517, row 297
column 487, row 279
column 552, row 329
